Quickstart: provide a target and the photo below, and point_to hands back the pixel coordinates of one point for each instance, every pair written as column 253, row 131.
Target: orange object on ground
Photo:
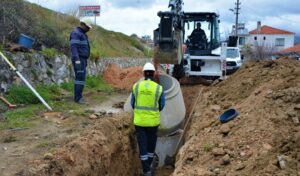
column 8, row 103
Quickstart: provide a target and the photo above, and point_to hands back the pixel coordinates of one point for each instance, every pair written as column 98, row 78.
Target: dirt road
column 20, row 147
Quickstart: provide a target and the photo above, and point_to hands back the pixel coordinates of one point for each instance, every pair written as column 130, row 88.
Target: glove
column 77, row 64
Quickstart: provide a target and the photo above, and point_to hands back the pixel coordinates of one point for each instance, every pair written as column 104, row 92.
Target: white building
column 269, row 37
column 242, row 33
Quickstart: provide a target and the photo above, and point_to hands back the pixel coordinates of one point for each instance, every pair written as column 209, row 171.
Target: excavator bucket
column 167, row 53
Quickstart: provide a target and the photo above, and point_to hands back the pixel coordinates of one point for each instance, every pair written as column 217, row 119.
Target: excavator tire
column 178, row 71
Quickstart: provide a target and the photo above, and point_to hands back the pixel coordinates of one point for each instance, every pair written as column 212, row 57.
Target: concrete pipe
column 173, row 114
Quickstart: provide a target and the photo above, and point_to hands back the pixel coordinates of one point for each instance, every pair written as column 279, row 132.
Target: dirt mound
column 106, row 149
column 262, row 140
column 122, row 78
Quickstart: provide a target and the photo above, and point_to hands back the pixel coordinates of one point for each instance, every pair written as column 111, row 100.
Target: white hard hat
column 88, row 23
column 148, row 67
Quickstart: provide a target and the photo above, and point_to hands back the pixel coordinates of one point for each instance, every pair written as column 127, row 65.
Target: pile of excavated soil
column 263, row 140
column 122, row 78
column 108, row 148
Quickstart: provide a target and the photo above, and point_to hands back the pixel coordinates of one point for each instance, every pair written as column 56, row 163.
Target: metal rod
column 7, row 61
column 26, row 82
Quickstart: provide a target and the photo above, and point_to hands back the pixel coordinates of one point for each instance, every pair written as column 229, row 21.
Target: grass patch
column 23, row 117
column 97, row 83
column 52, row 30
column 62, row 106
column 91, row 83
column 23, row 95
column 52, row 150
column 68, row 86
column 20, row 118
column 10, row 139
column 45, row 143
column 208, row 147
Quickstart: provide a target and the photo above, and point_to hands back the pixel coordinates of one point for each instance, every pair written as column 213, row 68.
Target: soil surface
column 262, row 140
column 107, row 148
column 122, row 78
column 51, row 131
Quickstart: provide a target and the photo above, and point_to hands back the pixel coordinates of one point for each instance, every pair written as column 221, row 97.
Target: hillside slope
column 263, row 140
column 52, row 29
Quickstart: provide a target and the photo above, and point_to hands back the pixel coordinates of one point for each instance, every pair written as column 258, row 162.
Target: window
column 242, row 41
column 279, row 42
column 255, row 38
column 232, row 53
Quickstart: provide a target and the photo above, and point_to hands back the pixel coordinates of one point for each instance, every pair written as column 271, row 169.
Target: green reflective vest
column 146, row 108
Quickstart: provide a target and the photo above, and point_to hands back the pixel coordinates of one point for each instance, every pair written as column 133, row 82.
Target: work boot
column 81, row 101
column 152, row 170
column 147, row 173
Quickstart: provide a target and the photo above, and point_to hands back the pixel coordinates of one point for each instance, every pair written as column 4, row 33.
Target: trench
column 110, row 148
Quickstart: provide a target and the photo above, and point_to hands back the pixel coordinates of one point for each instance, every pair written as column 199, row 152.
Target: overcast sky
column 140, row 16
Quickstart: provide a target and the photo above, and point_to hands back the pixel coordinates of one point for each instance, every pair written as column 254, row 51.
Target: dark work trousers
column 79, row 78
column 146, row 138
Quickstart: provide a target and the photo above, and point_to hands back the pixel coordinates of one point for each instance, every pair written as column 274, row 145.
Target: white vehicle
column 233, row 59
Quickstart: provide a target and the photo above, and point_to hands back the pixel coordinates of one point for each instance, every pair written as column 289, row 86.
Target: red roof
column 271, row 31
column 294, row 49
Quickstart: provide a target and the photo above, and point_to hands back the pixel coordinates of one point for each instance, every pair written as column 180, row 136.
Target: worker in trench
column 147, row 100
column 80, row 50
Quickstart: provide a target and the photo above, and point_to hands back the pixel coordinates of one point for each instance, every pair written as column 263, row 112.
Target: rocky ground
column 262, row 140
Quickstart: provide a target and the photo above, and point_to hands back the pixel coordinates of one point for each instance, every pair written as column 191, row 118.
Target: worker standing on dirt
column 147, row 100
column 80, row 49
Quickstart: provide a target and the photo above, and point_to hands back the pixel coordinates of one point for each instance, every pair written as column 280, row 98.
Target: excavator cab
column 175, row 28
column 193, row 52
column 204, row 36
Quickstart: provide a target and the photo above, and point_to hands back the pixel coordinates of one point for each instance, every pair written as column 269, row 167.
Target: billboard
column 88, row 11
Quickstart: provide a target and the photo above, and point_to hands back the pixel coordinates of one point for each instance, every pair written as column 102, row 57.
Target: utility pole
column 237, row 12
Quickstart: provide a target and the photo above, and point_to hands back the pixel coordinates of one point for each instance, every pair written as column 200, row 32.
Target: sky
column 140, row 16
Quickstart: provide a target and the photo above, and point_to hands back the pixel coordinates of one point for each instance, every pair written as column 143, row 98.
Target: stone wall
column 39, row 69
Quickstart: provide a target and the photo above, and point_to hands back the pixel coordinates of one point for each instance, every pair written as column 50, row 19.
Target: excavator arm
column 168, row 38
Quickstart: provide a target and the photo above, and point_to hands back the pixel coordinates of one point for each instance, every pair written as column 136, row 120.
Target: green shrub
column 148, row 52
column 49, row 53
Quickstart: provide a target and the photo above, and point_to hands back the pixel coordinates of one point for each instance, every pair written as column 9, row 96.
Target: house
column 272, row 38
column 292, row 52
